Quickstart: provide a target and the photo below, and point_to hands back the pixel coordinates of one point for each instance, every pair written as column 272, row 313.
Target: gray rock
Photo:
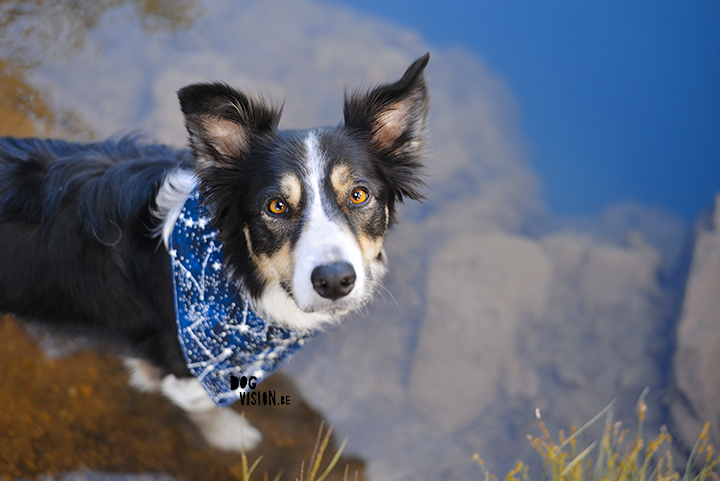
column 480, row 290
column 697, row 360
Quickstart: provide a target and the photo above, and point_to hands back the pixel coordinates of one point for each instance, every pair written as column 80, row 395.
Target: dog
column 298, row 218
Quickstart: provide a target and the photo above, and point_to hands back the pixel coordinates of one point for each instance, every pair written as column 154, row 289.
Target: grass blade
column 333, row 461
column 589, row 423
column 577, row 459
column 252, row 468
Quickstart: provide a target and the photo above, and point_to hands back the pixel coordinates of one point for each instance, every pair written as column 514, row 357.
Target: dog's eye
column 277, row 207
column 359, row 196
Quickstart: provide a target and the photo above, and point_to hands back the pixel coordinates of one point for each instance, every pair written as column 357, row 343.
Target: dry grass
column 618, row 457
column 316, row 459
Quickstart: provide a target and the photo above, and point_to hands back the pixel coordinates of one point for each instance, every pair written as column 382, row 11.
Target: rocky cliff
column 696, row 365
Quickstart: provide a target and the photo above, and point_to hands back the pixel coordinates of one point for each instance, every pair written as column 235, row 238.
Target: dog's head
column 303, row 214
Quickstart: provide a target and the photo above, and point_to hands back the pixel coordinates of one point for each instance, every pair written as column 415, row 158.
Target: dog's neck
column 219, row 332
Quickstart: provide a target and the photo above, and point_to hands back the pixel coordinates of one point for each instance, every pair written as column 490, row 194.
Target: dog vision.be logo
column 256, row 398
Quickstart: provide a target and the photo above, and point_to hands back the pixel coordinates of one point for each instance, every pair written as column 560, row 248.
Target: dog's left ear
column 223, row 122
column 394, row 119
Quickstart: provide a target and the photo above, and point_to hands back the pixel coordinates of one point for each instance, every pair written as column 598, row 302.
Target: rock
column 480, row 288
column 603, row 312
column 697, row 359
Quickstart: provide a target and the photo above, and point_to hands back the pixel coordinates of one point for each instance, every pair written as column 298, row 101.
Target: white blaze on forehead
column 323, row 240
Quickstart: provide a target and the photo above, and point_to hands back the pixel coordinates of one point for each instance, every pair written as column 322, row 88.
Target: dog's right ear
column 222, row 122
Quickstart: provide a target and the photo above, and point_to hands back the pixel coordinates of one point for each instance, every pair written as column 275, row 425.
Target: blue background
column 619, row 100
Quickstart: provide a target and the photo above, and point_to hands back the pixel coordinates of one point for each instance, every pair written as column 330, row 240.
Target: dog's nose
column 333, row 281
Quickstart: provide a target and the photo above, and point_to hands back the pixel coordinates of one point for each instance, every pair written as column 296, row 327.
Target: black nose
column 333, row 281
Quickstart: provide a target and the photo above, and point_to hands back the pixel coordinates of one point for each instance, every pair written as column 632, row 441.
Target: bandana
column 219, row 333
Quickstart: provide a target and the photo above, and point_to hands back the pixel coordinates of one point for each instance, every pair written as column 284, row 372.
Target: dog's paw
column 186, row 393
column 226, row 429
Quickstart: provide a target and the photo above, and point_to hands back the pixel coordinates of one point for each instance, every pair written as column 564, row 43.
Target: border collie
column 297, row 218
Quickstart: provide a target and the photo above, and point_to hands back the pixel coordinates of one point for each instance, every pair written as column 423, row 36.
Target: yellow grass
column 616, row 456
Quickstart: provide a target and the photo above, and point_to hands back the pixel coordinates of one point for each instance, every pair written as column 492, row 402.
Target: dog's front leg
column 222, row 428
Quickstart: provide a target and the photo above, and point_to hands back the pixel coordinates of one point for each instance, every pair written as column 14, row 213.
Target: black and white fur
column 302, row 216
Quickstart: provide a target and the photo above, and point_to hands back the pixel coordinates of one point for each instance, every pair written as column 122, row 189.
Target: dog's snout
column 333, row 281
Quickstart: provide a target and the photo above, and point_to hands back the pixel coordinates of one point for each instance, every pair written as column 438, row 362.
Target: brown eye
column 359, row 196
column 277, row 207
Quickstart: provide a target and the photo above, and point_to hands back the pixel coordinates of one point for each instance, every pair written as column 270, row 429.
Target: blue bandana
column 219, row 333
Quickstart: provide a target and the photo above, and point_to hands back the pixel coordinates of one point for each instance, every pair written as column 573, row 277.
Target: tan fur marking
column 291, row 188
column 246, row 231
column 279, row 266
column 341, row 182
column 370, row 247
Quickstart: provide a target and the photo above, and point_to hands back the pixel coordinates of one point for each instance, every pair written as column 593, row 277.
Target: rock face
column 697, row 359
column 480, row 290
column 490, row 327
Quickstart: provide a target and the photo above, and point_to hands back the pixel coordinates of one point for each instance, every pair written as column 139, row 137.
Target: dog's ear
column 222, row 122
column 394, row 118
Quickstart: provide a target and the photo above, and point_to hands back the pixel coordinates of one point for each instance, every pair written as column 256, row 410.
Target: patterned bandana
column 219, row 333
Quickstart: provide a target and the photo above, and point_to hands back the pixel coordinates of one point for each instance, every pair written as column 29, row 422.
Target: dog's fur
column 301, row 214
